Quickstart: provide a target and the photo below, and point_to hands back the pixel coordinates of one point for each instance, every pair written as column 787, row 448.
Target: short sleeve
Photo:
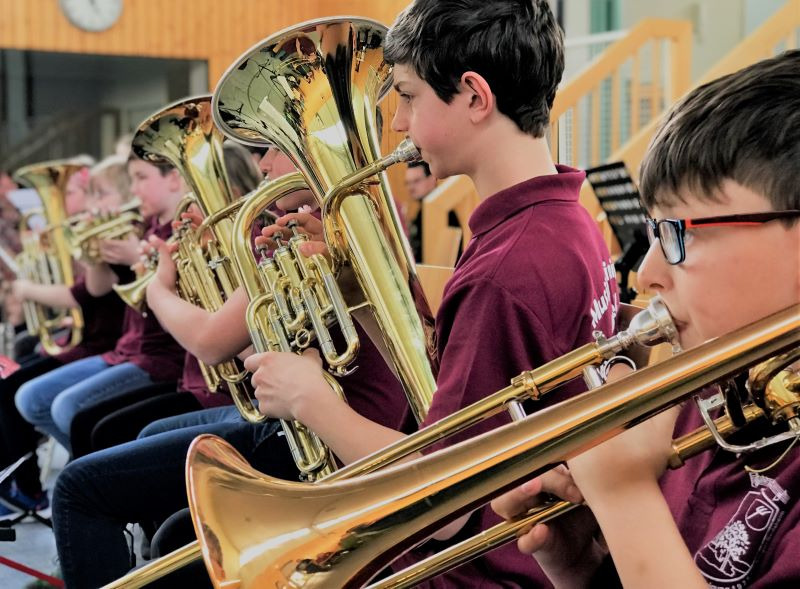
column 488, row 338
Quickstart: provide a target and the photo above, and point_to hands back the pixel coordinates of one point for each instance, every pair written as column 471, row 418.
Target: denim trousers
column 96, row 496
column 50, row 401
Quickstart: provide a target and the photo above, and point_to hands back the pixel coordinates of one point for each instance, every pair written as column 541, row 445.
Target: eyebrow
column 398, row 85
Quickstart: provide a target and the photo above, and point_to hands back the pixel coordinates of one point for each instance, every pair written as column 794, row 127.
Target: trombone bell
column 339, row 534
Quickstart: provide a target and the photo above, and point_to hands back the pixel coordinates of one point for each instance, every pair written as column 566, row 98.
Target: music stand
column 619, row 198
column 6, row 531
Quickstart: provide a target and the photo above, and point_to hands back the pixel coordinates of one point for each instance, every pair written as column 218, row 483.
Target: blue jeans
column 206, row 417
column 50, row 401
column 97, row 495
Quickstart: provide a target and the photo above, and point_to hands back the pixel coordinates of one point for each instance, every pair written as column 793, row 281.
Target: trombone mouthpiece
column 652, row 326
column 648, row 327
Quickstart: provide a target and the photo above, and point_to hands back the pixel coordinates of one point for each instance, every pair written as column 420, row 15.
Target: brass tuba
column 184, row 135
column 45, row 258
column 341, row 533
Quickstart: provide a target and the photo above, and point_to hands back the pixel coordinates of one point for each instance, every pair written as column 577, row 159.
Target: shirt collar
column 564, row 186
column 162, row 230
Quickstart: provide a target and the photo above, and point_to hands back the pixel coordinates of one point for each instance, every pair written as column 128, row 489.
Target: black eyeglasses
column 671, row 232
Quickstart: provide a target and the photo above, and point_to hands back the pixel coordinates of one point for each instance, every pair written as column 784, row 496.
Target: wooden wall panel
column 213, row 30
column 217, row 31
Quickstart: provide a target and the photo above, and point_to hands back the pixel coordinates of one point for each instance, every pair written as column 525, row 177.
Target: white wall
column 757, row 11
column 718, row 25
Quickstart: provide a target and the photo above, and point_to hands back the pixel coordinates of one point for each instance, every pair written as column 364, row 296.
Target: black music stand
column 619, row 198
column 7, row 533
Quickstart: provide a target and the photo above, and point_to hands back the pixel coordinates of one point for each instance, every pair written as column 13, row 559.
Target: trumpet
column 341, row 533
column 84, row 233
column 45, row 258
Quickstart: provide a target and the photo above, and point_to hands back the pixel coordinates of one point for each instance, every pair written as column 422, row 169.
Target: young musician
column 145, row 354
column 107, row 185
column 472, row 74
column 118, row 420
column 97, row 495
column 727, row 157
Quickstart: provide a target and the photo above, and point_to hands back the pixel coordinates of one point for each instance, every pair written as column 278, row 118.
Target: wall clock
column 92, row 15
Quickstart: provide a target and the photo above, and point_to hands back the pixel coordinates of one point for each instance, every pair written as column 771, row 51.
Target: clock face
column 92, row 15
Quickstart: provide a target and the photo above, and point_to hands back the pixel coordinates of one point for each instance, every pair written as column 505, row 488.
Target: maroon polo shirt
column 534, row 282
column 743, row 529
column 373, row 390
column 102, row 317
column 144, row 342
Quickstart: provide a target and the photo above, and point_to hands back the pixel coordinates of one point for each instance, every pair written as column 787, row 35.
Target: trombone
column 646, row 328
column 341, row 533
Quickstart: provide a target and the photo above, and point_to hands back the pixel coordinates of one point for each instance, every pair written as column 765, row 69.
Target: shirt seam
column 490, row 280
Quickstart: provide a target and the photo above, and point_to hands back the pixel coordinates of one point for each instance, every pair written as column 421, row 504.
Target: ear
column 481, row 98
column 175, row 180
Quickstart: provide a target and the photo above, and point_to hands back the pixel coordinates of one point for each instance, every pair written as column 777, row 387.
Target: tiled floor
column 34, row 546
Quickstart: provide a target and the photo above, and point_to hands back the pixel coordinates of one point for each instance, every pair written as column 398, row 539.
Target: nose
column 654, row 271
column 399, row 121
column 265, row 163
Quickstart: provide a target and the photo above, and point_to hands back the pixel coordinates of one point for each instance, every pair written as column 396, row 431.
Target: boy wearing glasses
column 722, row 183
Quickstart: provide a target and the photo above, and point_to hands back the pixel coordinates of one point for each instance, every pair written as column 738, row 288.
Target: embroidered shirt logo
column 728, row 559
column 606, row 300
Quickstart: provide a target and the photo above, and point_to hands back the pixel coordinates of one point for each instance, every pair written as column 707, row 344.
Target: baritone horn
column 341, row 533
column 184, row 135
column 46, row 255
column 313, row 90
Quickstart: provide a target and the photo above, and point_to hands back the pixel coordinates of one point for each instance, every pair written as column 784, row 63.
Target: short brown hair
column 515, row 45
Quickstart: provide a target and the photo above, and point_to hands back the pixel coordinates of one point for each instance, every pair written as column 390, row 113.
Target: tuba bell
column 45, row 258
column 313, row 90
column 184, row 135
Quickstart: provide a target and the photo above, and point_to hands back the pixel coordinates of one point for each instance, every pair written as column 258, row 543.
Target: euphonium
column 341, row 533
column 27, row 265
column 184, row 135
column 318, row 105
column 46, row 256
